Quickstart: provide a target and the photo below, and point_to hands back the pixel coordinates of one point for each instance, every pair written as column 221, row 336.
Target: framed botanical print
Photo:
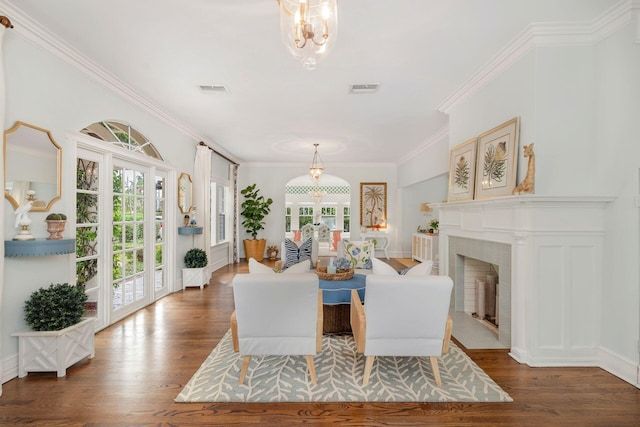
column 373, row 204
column 462, row 171
column 497, row 160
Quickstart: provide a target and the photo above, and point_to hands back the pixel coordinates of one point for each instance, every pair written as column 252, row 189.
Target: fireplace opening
column 481, row 291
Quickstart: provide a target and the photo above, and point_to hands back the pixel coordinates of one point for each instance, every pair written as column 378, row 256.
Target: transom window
column 122, row 135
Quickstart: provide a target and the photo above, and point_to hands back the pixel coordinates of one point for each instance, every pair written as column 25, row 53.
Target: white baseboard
column 620, row 367
column 9, row 368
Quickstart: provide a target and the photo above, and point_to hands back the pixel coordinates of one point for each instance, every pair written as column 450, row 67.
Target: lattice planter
column 195, row 277
column 46, row 351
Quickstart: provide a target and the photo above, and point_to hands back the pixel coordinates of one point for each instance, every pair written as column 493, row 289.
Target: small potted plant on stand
column 254, row 209
column 59, row 336
column 433, row 226
column 194, row 273
column 55, row 225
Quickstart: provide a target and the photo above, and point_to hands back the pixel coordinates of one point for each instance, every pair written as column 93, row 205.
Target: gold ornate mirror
column 184, row 193
column 32, row 162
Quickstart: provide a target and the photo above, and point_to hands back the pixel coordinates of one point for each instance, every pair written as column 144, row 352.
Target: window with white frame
column 305, row 215
column 219, row 213
column 287, row 219
column 346, row 219
column 329, row 216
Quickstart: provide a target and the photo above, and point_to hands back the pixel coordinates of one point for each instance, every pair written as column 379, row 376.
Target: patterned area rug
column 339, row 372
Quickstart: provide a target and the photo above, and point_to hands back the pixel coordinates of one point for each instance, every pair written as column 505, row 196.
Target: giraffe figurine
column 528, row 183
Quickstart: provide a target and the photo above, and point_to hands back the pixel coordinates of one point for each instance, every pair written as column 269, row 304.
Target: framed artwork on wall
column 462, row 171
column 497, row 160
column 373, row 204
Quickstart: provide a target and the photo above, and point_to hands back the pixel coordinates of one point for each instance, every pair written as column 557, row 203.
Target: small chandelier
column 316, row 166
column 316, row 194
column 309, row 29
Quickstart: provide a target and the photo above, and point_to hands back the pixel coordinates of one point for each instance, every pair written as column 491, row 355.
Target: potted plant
column 254, row 209
column 55, row 225
column 433, row 226
column 194, row 271
column 60, row 336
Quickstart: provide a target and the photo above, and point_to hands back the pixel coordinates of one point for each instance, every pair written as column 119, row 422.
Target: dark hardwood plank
column 143, row 361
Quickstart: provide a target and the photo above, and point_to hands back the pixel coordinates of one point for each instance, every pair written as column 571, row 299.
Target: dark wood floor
column 143, row 362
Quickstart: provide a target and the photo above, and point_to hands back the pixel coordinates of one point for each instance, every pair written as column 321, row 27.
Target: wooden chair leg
column 447, row 335
column 312, row 369
column 436, row 370
column 243, row 369
column 234, row 332
column 367, row 369
column 320, row 324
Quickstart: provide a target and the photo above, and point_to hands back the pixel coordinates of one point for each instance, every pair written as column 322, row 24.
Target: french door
column 122, row 249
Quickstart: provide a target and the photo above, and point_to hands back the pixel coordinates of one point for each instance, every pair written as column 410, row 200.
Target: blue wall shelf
column 39, row 247
column 189, row 230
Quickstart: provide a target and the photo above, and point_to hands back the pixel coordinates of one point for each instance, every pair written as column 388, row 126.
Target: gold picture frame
column 497, row 160
column 373, row 204
column 462, row 171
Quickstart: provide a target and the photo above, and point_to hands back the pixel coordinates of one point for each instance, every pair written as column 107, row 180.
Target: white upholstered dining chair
column 403, row 316
column 277, row 314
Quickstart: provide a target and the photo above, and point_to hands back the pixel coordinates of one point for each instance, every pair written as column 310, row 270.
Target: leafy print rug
column 339, row 372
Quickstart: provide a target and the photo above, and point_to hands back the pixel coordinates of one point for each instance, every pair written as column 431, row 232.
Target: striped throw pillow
column 295, row 254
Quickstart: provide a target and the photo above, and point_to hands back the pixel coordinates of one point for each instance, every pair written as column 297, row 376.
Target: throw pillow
column 301, row 267
column 256, row 267
column 381, row 267
column 422, row 269
column 295, row 254
column 359, row 253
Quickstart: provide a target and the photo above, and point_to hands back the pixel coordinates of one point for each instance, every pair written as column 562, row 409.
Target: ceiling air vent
column 358, row 89
column 214, row 89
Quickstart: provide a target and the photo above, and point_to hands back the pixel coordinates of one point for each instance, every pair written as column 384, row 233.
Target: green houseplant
column 57, row 307
column 195, row 258
column 433, row 226
column 254, row 209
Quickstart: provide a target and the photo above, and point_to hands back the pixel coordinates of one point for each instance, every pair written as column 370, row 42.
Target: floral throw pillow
column 359, row 253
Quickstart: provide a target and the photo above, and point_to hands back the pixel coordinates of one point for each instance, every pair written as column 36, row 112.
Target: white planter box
column 46, row 351
column 195, row 277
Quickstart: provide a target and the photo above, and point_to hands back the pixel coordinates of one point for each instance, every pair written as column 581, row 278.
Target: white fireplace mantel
column 556, row 276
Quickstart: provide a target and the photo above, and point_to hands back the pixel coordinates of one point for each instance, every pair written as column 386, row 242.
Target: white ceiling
column 420, row 51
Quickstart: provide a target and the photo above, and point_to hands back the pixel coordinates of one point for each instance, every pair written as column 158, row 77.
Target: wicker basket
column 341, row 275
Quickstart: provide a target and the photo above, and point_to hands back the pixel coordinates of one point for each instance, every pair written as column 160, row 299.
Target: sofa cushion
column 359, row 253
column 294, row 253
column 381, row 267
column 301, row 267
column 422, row 269
column 259, row 268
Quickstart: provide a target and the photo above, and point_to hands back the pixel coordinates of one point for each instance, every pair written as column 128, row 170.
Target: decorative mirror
column 32, row 163
column 184, row 193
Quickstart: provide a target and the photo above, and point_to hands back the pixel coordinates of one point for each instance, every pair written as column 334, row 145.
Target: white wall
column 616, row 172
column 45, row 91
column 272, row 179
column 581, row 107
column 433, row 190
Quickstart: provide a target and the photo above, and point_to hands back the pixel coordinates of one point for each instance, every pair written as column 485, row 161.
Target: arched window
column 122, row 135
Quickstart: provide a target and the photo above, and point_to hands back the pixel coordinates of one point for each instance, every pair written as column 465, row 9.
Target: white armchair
column 277, row 314
column 403, row 316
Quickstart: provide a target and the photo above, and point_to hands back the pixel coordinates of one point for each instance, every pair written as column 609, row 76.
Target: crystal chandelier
column 316, row 194
column 309, row 29
column 316, row 166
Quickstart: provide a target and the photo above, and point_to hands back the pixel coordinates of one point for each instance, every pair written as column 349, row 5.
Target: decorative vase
column 272, row 253
column 55, row 227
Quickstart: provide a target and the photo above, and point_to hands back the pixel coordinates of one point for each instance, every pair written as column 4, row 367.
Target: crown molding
column 545, row 34
column 32, row 31
column 439, row 135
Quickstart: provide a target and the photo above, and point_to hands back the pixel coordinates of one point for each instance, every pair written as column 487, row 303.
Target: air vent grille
column 358, row 89
column 214, row 89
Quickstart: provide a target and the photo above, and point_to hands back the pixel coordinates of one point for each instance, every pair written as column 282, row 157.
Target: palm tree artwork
column 373, row 197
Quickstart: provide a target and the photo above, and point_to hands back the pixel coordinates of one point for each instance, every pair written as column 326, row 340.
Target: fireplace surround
column 549, row 250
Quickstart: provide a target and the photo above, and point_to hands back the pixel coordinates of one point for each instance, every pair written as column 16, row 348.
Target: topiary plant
column 57, row 307
column 195, row 258
column 53, row 217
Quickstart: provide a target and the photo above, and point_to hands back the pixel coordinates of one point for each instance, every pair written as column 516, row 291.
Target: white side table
column 381, row 240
